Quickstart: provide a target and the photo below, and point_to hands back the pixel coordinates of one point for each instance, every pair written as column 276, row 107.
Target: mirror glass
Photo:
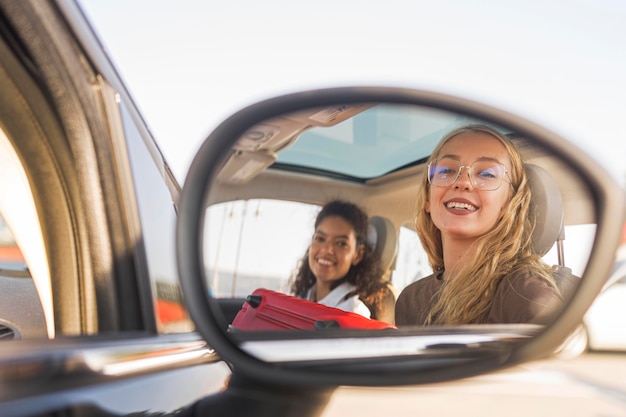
column 262, row 206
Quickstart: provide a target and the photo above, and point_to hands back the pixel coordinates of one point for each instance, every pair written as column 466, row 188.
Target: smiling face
column 460, row 210
column 334, row 249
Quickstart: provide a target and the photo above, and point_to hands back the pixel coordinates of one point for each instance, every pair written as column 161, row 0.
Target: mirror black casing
column 608, row 196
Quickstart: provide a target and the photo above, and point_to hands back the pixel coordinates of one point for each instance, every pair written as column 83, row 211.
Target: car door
column 96, row 227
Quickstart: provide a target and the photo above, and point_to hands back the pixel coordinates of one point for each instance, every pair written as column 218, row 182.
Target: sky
column 190, row 64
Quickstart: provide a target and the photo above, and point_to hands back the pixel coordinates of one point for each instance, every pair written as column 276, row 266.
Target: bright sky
column 190, row 64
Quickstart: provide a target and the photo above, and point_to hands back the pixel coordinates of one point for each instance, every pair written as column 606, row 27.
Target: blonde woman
column 472, row 218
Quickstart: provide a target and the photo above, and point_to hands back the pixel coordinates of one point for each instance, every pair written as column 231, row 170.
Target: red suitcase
column 270, row 310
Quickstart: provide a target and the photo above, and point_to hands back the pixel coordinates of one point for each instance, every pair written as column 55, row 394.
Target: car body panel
column 117, row 377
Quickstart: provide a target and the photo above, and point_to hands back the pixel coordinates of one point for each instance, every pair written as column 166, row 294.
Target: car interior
column 316, row 155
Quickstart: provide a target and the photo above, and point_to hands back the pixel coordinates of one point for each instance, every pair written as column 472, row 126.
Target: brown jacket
column 519, row 298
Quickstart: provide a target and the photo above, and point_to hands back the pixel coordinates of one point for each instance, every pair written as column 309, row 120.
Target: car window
column 255, row 244
column 11, row 257
column 22, row 298
column 576, row 248
column 21, row 314
column 411, row 261
column 158, row 222
column 376, row 141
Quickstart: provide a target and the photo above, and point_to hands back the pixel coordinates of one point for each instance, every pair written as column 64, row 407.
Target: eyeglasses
column 484, row 175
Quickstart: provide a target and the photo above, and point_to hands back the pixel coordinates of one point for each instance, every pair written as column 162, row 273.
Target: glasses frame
column 473, row 180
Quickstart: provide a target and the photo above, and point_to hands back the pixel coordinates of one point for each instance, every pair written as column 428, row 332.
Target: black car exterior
column 119, row 341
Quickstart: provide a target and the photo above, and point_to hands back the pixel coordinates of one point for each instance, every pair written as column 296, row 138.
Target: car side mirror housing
column 246, row 145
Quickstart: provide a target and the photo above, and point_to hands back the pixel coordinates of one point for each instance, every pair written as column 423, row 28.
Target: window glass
column 411, row 261
column 158, row 222
column 376, row 141
column 11, row 257
column 576, row 248
column 255, row 244
column 24, row 290
column 21, row 314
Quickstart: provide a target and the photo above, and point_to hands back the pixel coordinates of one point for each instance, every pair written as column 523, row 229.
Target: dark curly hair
column 366, row 276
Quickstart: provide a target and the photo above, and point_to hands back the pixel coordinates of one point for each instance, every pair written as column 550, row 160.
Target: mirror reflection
column 392, row 216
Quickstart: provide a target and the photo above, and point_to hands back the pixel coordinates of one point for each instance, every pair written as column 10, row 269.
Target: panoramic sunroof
column 374, row 142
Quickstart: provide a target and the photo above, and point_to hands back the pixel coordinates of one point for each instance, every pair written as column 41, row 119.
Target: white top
column 339, row 298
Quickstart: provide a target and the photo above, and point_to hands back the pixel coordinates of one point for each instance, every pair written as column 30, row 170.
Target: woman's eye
column 342, row 244
column 486, row 174
column 445, row 171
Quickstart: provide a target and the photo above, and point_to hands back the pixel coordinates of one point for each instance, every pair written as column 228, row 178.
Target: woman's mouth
column 460, row 206
column 325, row 262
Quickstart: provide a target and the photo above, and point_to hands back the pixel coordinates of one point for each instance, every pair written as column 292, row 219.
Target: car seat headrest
column 546, row 209
column 382, row 238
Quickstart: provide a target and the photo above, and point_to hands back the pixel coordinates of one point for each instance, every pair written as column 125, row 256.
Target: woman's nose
column 464, row 180
column 327, row 247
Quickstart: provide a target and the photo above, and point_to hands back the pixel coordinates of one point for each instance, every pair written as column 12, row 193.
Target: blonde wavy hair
column 505, row 249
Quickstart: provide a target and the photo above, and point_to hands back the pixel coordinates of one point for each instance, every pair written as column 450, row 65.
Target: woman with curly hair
column 473, row 221
column 339, row 269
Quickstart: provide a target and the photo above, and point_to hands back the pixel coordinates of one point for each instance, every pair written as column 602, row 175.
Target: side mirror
column 277, row 149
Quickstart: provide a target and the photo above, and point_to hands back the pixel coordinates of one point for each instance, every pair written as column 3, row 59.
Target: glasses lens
column 487, row 175
column 443, row 172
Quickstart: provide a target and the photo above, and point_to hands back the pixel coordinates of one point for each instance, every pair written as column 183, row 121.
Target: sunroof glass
column 374, row 142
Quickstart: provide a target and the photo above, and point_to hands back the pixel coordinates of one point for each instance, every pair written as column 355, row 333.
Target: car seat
column 547, row 212
column 383, row 240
